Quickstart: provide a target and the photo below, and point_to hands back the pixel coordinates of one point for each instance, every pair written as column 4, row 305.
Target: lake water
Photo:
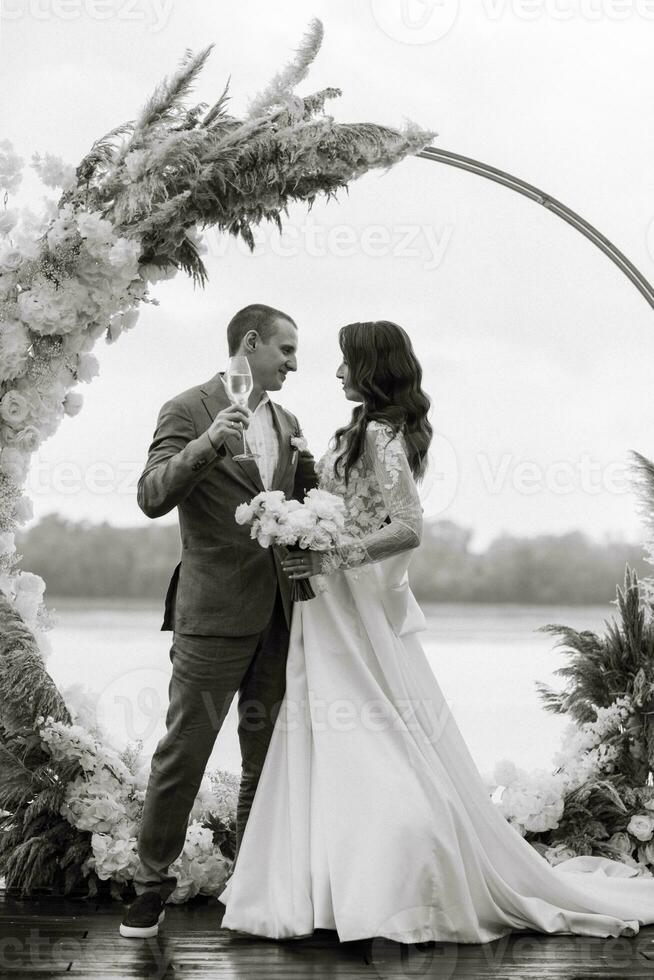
column 486, row 659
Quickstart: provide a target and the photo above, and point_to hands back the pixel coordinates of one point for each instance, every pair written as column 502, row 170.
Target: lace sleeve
column 392, row 475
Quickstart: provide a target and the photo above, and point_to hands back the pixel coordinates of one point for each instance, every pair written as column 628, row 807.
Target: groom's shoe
column 144, row 916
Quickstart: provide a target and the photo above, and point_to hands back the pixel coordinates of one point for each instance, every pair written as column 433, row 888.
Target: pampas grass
column 178, row 168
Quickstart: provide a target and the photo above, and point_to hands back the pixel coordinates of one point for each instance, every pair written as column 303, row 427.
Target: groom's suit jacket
column 225, row 583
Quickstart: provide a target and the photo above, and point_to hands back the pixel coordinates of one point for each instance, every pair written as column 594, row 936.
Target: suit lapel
column 214, row 399
column 284, row 440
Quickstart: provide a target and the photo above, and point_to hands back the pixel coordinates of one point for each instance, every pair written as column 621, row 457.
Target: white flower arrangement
column 106, row 798
column 531, row 801
column 534, row 802
column 317, row 525
column 56, row 298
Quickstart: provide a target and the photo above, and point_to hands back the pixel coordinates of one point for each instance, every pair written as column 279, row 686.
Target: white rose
column 621, row 843
column 641, row 826
column 73, row 403
column 87, row 367
column 302, row 521
column 23, row 510
column 34, row 311
column 14, row 407
column 125, row 253
column 10, row 258
column 13, row 464
column 555, row 855
column 324, row 504
column 286, row 535
column 30, row 584
column 14, row 347
column 27, row 440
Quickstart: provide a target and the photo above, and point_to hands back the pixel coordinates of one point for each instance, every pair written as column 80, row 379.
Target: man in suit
column 229, row 600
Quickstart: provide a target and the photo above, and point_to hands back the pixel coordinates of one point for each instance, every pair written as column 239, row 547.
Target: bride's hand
column 303, row 565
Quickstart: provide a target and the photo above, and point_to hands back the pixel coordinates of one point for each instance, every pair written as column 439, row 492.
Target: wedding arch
column 551, row 204
column 130, row 215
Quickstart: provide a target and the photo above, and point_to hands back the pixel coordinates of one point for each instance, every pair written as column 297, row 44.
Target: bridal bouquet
column 317, row 525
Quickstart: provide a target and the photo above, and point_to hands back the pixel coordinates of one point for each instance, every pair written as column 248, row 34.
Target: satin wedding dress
column 370, row 817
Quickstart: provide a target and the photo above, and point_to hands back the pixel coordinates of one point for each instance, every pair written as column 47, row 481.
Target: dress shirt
column 262, row 438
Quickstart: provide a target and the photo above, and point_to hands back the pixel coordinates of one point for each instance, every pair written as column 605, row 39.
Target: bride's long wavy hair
column 384, row 370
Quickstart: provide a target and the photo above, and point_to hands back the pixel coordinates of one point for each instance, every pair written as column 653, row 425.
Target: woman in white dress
column 370, row 816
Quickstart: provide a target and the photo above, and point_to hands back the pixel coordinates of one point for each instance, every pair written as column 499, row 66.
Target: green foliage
column 39, row 848
column 224, row 833
column 601, row 669
column 26, row 688
column 593, row 812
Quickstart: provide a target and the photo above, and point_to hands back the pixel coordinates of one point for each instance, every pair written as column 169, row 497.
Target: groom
column 228, row 601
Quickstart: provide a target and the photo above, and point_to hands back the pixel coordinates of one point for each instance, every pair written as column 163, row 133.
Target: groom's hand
column 229, row 422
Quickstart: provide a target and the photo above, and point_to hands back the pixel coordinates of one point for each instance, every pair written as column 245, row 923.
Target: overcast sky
column 537, row 351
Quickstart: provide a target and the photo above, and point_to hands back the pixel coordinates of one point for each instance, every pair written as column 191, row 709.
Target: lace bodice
column 381, row 486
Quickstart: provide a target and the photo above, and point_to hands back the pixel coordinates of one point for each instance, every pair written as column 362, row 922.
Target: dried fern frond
column 26, row 688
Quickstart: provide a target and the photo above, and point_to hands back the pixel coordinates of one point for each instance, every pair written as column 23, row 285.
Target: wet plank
column 46, row 936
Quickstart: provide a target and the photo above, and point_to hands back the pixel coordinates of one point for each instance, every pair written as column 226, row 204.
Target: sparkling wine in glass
column 239, row 387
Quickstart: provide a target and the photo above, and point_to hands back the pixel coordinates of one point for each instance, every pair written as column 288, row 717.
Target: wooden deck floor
column 53, row 937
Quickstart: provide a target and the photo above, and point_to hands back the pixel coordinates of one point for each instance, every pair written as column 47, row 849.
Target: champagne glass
column 239, row 386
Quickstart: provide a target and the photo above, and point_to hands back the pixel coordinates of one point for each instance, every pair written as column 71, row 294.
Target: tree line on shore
column 86, row 560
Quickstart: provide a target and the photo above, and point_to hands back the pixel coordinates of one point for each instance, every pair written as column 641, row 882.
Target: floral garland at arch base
column 130, row 215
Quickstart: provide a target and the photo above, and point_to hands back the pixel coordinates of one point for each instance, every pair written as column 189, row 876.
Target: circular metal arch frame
column 540, row 197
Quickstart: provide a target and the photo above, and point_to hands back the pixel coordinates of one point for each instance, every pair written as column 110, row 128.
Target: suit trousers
column 207, row 673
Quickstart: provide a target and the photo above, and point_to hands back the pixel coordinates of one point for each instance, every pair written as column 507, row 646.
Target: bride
column 370, row 817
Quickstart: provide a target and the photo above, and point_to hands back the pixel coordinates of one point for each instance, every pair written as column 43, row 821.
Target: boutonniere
column 299, row 443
